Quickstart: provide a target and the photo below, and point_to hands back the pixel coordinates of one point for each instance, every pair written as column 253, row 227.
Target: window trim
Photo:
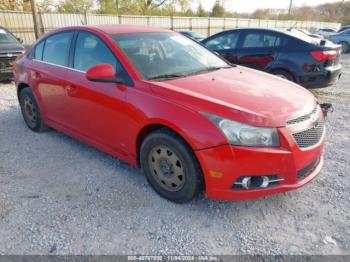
column 129, row 81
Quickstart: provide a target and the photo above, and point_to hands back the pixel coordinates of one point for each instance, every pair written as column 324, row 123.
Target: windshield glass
column 7, row 37
column 163, row 55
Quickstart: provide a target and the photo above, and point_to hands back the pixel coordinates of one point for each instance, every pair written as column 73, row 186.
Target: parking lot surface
column 59, row 196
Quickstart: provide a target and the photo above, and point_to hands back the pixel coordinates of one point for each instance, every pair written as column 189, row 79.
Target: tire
column 345, row 47
column 30, row 111
column 283, row 74
column 170, row 166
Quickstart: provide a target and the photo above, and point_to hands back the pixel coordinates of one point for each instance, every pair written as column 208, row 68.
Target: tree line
column 334, row 12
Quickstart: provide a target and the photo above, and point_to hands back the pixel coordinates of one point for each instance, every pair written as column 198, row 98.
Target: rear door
column 225, row 44
column 259, row 49
column 48, row 70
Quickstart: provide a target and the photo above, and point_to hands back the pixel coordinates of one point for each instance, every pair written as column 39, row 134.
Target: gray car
column 342, row 38
column 10, row 48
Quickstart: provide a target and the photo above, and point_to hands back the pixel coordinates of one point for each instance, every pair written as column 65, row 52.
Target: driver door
column 98, row 110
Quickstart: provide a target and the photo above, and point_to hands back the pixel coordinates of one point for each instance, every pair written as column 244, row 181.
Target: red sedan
column 161, row 101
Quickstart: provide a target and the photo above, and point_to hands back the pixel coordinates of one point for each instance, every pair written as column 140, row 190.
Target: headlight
column 245, row 135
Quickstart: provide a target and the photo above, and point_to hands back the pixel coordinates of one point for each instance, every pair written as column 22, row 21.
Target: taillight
column 324, row 55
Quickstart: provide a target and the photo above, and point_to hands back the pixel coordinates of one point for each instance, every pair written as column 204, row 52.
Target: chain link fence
column 21, row 23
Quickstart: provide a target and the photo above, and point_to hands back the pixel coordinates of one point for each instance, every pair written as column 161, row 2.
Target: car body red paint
column 114, row 116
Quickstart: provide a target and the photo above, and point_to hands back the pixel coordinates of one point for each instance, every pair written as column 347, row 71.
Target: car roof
column 119, row 29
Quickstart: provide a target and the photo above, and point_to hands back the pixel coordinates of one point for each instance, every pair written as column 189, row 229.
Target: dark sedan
column 310, row 62
column 193, row 35
column 10, row 48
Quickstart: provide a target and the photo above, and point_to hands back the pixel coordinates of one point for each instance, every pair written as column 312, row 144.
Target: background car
column 326, row 32
column 310, row 62
column 308, row 33
column 343, row 39
column 343, row 28
column 10, row 48
column 193, row 35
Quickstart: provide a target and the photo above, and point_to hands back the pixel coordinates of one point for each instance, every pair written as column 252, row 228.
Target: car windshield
column 165, row 55
column 6, row 37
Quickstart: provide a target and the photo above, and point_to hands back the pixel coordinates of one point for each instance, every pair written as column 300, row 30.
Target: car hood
column 9, row 48
column 241, row 94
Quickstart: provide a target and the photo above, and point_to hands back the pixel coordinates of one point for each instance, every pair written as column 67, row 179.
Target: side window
column 224, row 41
column 254, row 40
column 90, row 51
column 56, row 48
column 38, row 52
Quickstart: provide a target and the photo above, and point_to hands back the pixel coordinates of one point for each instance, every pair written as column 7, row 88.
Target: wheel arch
column 271, row 71
column 20, row 87
column 153, row 127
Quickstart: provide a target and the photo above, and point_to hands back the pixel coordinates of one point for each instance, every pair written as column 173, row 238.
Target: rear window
column 303, row 37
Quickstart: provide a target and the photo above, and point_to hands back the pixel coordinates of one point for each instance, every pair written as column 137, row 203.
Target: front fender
column 149, row 109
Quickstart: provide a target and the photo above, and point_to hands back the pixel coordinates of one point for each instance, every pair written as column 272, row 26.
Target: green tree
column 201, row 12
column 218, row 10
column 75, row 6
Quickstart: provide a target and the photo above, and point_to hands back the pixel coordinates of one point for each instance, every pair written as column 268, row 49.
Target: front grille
column 302, row 118
column 302, row 173
column 310, row 137
column 6, row 65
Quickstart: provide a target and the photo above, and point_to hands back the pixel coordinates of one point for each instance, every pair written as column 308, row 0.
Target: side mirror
column 102, row 73
column 20, row 40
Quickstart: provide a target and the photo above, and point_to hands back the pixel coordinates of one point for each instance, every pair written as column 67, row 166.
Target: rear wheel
column 283, row 74
column 30, row 111
column 170, row 166
column 345, row 47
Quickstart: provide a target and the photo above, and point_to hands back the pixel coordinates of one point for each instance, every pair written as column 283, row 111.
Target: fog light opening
column 256, row 182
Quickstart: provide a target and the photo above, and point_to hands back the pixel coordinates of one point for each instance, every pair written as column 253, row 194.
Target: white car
column 326, row 32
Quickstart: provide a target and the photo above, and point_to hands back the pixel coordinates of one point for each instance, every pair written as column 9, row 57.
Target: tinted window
column 56, row 48
column 38, row 52
column 224, row 41
column 7, row 37
column 260, row 39
column 90, row 51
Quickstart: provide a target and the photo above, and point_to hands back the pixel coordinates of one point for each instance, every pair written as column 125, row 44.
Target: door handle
column 71, row 89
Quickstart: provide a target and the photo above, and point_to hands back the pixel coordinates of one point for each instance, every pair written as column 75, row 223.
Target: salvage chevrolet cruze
column 161, row 101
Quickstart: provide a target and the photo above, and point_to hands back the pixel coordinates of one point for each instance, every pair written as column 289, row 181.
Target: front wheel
column 170, row 166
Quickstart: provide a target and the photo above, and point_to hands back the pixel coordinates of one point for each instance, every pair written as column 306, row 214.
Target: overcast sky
column 251, row 5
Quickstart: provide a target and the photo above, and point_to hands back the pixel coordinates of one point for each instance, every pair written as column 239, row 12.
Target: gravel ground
column 59, row 196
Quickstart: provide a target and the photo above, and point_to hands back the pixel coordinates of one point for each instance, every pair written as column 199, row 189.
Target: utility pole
column 35, row 18
column 117, row 5
column 290, row 7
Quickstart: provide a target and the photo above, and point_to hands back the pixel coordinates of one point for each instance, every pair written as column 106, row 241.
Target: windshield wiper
column 208, row 69
column 165, row 76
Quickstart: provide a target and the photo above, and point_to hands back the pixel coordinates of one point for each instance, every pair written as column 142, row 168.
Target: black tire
column 30, row 111
column 283, row 74
column 345, row 47
column 192, row 176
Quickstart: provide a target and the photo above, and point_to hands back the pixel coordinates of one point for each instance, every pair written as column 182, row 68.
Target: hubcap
column 30, row 110
column 166, row 168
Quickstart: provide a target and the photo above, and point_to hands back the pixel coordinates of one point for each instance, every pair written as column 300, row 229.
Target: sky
column 252, row 5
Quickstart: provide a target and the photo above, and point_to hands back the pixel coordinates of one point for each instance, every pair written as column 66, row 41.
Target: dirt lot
column 60, row 196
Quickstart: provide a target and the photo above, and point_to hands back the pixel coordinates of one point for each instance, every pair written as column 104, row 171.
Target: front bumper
column 223, row 165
